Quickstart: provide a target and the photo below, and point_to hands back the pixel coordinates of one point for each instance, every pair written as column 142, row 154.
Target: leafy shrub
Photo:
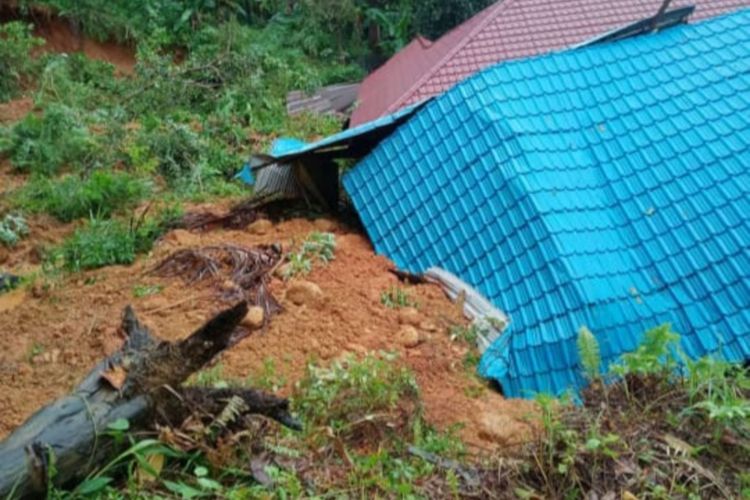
column 16, row 63
column 77, row 81
column 104, row 242
column 317, row 246
column 665, row 423
column 13, row 227
column 102, row 194
column 343, row 396
column 44, row 144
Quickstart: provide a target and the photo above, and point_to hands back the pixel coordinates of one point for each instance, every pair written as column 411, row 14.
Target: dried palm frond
column 248, row 268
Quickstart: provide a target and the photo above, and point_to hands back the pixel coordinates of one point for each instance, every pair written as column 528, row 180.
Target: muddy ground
column 52, row 335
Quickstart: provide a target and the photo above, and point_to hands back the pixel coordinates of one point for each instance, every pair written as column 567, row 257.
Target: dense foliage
column 16, row 64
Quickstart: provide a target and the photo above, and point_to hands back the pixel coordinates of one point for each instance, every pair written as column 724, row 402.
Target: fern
column 588, row 351
column 654, row 355
column 232, row 411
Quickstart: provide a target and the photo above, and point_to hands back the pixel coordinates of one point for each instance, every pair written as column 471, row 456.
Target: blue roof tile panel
column 607, row 186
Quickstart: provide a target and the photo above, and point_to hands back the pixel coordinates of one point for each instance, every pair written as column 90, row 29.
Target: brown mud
column 53, row 332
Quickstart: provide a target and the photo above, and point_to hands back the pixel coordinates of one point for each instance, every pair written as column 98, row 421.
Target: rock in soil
column 409, row 316
column 428, row 326
column 325, row 225
column 303, row 293
column 282, row 271
column 229, row 286
column 254, row 318
column 408, row 337
column 260, row 227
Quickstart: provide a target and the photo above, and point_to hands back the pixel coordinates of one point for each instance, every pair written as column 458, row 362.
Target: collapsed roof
column 607, row 186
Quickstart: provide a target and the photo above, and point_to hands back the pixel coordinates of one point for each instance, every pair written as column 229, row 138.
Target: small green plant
column 140, row 291
column 396, row 297
column 298, row 265
column 349, row 391
column 35, row 350
column 16, row 63
column 721, row 391
column 268, row 379
column 211, row 377
column 464, row 334
column 13, row 228
column 317, row 246
column 106, row 242
column 47, row 143
column 656, row 354
column 588, row 351
column 101, row 194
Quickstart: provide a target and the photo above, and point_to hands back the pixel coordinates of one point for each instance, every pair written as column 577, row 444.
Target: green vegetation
column 103, row 194
column 680, row 434
column 140, row 291
column 47, row 143
column 13, row 228
column 103, row 242
column 653, row 432
column 396, row 297
column 16, row 64
column 364, row 436
column 316, row 247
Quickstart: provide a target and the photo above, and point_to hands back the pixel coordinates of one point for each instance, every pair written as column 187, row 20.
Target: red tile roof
column 508, row 29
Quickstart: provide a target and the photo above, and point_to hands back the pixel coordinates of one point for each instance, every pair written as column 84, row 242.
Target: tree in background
column 433, row 18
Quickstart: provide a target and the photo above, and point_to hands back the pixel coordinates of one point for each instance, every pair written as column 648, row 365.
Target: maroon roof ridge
column 505, row 30
column 486, row 16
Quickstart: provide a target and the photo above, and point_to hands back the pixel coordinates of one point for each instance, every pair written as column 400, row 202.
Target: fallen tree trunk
column 140, row 383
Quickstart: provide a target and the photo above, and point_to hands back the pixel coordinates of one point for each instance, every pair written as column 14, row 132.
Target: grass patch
column 141, row 291
column 103, row 242
column 16, row 64
column 653, row 430
column 317, row 246
column 47, row 143
column 396, row 298
column 102, row 194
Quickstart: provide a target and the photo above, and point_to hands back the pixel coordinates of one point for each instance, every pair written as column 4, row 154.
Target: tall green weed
column 104, row 242
column 71, row 197
column 46, row 144
column 16, row 64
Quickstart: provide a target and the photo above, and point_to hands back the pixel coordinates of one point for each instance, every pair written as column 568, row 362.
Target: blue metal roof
column 366, row 135
column 607, row 186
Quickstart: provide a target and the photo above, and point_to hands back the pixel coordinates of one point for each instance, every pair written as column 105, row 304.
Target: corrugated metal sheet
column 509, row 29
column 327, row 100
column 363, row 138
column 607, row 186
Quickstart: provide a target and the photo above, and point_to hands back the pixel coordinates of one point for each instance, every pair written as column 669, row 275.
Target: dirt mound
column 52, row 337
column 62, row 37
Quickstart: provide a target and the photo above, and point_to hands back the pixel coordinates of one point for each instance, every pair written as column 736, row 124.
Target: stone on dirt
column 282, row 271
column 409, row 316
column 428, row 326
column 179, row 237
column 408, row 337
column 260, row 227
column 325, row 225
column 254, row 318
column 303, row 293
column 229, row 286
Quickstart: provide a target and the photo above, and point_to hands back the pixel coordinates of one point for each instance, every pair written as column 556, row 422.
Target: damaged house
column 606, row 186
